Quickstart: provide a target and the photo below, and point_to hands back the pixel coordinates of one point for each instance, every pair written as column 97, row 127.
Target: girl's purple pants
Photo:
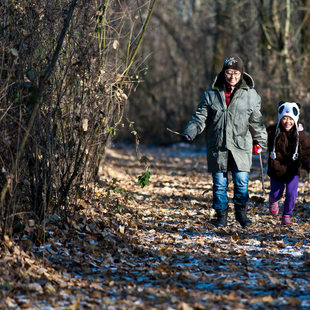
column 276, row 193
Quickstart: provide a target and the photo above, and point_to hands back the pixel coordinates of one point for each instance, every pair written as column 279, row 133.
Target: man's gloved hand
column 257, row 149
column 186, row 138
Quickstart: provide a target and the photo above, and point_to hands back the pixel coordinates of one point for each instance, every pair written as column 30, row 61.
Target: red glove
column 257, row 149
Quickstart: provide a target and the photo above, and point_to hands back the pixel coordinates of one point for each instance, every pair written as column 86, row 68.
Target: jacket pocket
column 243, row 142
column 241, row 123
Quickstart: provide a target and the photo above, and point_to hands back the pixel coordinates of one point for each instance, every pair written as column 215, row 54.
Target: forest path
column 185, row 259
column 127, row 247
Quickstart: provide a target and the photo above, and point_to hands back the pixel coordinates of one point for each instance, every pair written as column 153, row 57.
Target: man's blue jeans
column 220, row 183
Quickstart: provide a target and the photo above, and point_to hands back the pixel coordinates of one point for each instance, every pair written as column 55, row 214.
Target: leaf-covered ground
column 127, row 247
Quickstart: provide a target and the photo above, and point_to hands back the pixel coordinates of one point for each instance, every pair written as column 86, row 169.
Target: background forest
column 75, row 74
column 185, row 47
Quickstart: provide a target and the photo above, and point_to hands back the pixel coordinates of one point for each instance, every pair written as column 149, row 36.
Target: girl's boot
column 286, row 220
column 274, row 208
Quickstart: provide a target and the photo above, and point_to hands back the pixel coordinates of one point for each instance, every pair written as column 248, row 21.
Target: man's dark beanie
column 233, row 62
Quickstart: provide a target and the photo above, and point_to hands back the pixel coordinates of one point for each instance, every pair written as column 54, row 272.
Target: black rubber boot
column 221, row 220
column 240, row 212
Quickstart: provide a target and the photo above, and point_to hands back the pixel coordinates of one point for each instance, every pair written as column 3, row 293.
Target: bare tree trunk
column 305, row 35
column 287, row 41
column 220, row 36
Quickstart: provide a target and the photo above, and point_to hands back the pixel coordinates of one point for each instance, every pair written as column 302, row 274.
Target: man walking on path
column 230, row 112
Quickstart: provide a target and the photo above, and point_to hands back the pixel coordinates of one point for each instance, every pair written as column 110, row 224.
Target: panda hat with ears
column 291, row 109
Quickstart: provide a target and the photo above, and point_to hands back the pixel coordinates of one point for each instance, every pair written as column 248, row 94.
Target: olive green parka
column 235, row 128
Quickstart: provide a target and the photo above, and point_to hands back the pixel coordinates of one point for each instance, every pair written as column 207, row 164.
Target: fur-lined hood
column 246, row 81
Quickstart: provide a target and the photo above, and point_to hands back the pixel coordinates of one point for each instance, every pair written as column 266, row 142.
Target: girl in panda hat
column 289, row 150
